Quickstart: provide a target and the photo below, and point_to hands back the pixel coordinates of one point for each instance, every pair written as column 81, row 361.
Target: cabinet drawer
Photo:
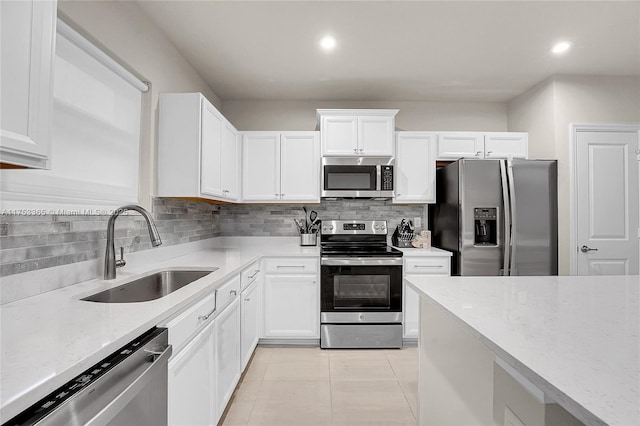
column 227, row 292
column 250, row 274
column 183, row 327
column 428, row 265
column 308, row 265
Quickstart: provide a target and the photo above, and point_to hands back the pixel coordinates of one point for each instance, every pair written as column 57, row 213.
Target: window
column 95, row 135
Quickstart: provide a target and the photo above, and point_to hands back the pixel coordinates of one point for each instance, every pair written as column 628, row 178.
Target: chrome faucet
column 110, row 263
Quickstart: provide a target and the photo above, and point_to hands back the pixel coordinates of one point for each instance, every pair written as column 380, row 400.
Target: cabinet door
column 375, row 136
column 211, row 148
column 229, row 162
column 261, row 166
column 410, row 312
column 300, row 166
column 339, row 135
column 227, row 355
column 506, row 145
column 415, row 172
column 191, row 383
column 291, row 306
column 249, row 322
column 27, row 34
column 454, row 145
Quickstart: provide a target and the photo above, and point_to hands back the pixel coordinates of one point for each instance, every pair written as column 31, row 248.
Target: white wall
column 301, row 115
column 534, row 112
column 572, row 99
column 130, row 36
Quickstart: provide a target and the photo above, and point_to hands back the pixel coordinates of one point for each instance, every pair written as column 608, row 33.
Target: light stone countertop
column 424, row 252
column 48, row 339
column 575, row 338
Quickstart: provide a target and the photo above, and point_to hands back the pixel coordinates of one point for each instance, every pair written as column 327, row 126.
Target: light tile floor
column 310, row 386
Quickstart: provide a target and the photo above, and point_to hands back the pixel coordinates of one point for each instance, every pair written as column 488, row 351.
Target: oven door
column 361, row 288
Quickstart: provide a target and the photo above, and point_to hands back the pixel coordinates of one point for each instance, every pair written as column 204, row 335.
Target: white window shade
column 95, row 135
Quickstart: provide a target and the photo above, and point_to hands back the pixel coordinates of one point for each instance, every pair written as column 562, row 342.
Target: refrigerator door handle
column 512, row 193
column 507, row 219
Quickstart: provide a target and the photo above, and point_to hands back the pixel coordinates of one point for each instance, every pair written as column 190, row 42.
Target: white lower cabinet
column 411, row 312
column 192, row 382
column 205, row 366
column 419, row 266
column 248, row 322
column 227, row 355
column 291, row 299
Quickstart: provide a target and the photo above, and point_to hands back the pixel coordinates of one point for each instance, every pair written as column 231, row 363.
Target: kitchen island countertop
column 574, row 338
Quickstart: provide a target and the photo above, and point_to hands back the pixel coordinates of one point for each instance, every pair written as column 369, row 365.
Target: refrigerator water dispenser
column 486, row 226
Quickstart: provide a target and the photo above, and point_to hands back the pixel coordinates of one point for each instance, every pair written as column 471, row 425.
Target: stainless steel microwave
column 357, row 177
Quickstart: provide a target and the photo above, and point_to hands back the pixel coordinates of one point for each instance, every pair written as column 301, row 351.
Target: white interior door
column 607, row 202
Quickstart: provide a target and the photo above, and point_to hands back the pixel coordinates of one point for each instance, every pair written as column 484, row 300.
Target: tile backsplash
column 277, row 219
column 29, row 243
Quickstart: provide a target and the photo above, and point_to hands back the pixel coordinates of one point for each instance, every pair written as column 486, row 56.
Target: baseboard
column 410, row 342
column 288, row 342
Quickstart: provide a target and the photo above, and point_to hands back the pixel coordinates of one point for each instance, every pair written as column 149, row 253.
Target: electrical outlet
column 417, row 222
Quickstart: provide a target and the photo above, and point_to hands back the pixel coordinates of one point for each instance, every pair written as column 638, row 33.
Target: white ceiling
column 393, row 50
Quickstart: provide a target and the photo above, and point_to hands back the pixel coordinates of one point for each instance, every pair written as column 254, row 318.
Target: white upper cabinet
column 280, row 167
column 357, row 132
column 27, row 34
column 300, row 166
column 482, row 145
column 506, row 145
column 454, row 145
column 339, row 135
column 261, row 166
column 415, row 173
column 211, row 149
column 376, row 135
column 230, row 162
column 198, row 153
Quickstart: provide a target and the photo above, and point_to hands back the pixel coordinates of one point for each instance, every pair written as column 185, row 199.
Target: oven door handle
column 360, row 261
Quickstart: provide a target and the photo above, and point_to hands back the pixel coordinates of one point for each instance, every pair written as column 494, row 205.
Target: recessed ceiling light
column 328, row 43
column 560, row 47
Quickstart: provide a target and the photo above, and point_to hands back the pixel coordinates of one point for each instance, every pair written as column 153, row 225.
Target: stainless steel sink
column 150, row 287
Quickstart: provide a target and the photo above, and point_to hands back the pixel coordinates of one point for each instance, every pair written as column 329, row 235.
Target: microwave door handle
column 378, row 178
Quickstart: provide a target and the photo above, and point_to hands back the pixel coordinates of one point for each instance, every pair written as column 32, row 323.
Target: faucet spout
column 110, row 254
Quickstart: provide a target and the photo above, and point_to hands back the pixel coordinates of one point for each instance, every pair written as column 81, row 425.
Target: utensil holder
column 308, row 239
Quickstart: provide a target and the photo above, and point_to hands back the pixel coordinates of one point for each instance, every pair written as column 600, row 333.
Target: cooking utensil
column 306, row 218
column 300, row 225
column 314, row 224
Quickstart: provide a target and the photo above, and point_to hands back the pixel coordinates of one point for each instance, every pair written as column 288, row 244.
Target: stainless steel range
column 361, row 286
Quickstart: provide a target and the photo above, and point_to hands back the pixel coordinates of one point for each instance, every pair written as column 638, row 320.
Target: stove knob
column 330, row 227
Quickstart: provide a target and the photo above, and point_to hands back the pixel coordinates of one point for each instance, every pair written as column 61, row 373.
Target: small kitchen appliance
column 360, row 286
column 357, row 177
column 498, row 217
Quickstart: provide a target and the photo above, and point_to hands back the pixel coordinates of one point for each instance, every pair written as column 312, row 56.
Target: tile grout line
column 253, row 404
column 330, row 390
column 404, row 394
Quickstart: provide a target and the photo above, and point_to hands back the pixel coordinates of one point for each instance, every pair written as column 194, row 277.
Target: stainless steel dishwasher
column 127, row 388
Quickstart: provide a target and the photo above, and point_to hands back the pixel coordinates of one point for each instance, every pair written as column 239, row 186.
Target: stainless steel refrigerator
column 498, row 217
